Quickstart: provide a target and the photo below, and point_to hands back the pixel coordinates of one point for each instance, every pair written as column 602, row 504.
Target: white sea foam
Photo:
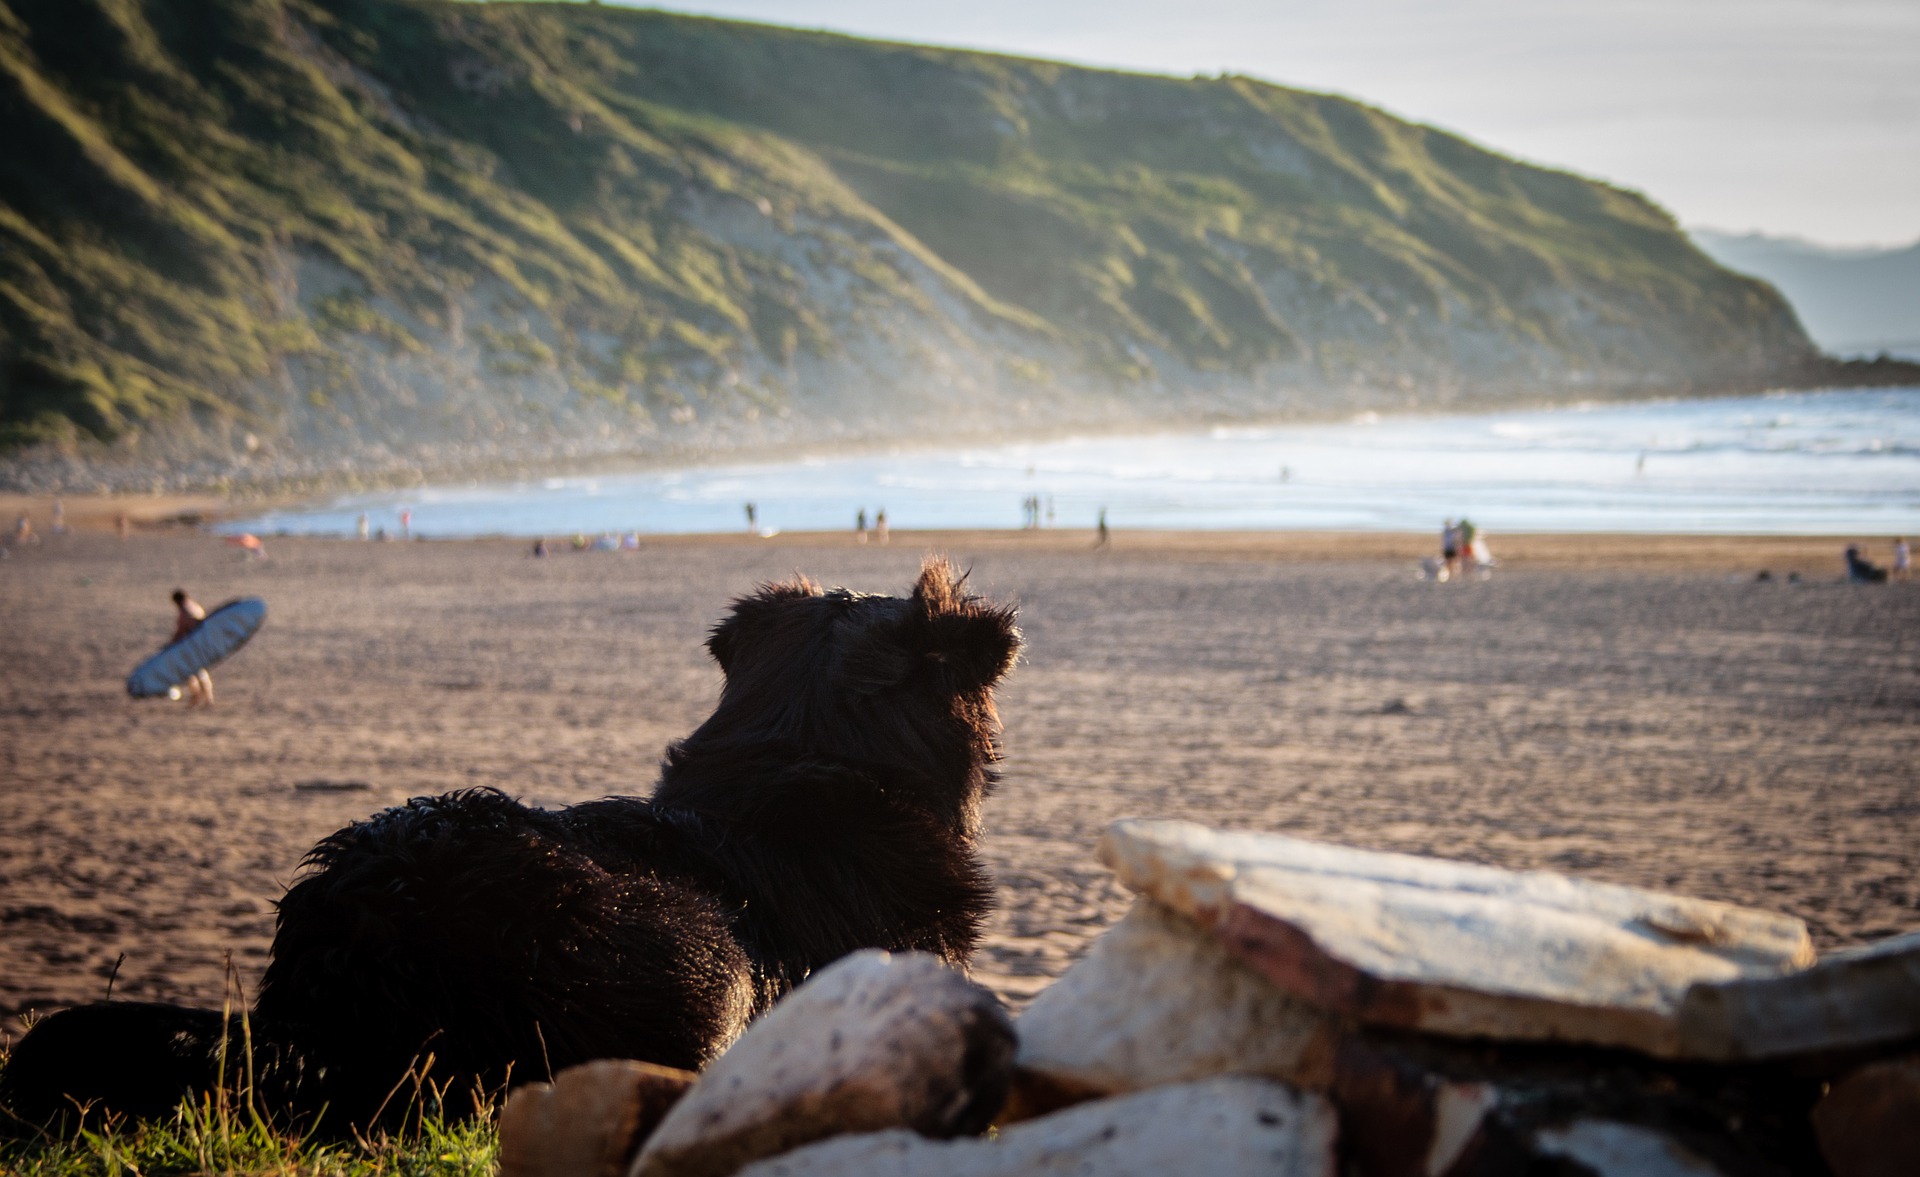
column 1835, row 463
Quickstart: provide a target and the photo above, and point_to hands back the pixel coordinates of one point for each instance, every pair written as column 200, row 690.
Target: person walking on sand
column 187, row 617
column 753, row 519
column 1902, row 560
column 406, row 523
column 1101, row 534
column 361, row 528
column 860, row 526
column 880, row 525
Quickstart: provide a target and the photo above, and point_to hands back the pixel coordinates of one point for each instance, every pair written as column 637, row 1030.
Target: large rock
column 873, row 1041
column 1158, row 1001
column 589, row 1121
column 1223, row 1127
column 1453, row 948
column 1853, row 998
column 1869, row 1123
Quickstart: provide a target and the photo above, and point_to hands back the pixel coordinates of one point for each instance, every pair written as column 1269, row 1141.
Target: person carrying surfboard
column 202, row 638
column 188, row 617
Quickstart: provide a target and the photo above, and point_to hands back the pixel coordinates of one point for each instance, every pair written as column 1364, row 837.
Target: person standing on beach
column 1102, row 535
column 187, row 617
column 753, row 518
column 406, row 523
column 1450, row 548
column 880, row 525
column 1902, row 560
column 860, row 526
column 360, row 528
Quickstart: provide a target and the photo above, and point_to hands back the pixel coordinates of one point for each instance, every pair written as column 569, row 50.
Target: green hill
column 276, row 238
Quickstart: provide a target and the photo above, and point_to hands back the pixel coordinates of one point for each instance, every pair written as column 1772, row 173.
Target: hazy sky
column 1793, row 117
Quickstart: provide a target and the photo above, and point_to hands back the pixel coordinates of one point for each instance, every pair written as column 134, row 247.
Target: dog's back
column 475, row 932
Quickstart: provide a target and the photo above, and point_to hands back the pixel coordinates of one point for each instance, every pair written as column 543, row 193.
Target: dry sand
column 1626, row 709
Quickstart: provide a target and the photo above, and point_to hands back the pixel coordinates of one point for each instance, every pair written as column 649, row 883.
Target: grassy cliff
column 300, row 234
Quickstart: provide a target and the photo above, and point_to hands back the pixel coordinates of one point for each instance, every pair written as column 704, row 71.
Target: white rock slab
column 1226, row 1127
column 1453, row 948
column 873, row 1041
column 1157, row 1001
column 1855, row 997
column 1611, row 1149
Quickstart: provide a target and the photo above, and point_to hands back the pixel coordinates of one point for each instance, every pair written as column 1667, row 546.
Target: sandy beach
column 1629, row 709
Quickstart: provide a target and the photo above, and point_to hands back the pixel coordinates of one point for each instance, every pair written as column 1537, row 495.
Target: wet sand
column 1634, row 710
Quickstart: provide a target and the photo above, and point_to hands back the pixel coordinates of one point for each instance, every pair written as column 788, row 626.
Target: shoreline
column 1792, row 473
column 722, row 445
column 1810, row 555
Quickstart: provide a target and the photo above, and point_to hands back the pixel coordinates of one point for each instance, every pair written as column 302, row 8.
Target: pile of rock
column 1279, row 1006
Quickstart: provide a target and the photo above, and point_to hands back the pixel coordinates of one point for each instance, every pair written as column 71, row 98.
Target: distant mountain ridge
column 1851, row 301
column 274, row 240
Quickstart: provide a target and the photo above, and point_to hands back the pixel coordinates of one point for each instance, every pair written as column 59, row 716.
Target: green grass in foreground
column 218, row 1136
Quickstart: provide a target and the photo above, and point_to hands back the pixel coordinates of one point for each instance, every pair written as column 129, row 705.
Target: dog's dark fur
column 830, row 803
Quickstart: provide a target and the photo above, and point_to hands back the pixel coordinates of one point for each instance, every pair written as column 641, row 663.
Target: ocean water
column 1829, row 463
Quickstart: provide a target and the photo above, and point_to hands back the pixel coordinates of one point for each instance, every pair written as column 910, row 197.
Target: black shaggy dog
column 830, row 803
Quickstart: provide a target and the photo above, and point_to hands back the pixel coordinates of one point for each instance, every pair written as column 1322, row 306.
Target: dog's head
column 900, row 686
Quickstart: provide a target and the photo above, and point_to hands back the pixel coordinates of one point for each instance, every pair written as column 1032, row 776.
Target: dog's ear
column 971, row 642
column 723, row 640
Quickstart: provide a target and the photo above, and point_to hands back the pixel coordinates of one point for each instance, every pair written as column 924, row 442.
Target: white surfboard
column 225, row 630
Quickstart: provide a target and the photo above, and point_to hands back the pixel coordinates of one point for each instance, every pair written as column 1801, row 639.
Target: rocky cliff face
column 273, row 240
